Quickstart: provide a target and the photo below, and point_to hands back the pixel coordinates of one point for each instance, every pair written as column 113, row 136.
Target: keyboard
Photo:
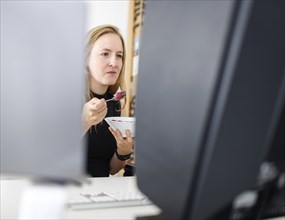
column 86, row 200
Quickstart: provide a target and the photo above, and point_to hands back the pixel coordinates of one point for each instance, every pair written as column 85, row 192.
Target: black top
column 101, row 144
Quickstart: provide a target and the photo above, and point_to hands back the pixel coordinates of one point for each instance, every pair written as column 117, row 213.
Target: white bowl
column 122, row 123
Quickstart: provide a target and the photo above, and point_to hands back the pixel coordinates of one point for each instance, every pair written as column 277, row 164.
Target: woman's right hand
column 93, row 113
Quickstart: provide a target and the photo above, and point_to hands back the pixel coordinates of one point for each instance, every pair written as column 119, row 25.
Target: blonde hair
column 92, row 37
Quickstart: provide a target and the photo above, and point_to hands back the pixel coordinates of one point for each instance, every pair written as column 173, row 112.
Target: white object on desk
column 42, row 201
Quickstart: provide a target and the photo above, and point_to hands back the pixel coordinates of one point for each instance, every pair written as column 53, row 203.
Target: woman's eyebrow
column 108, row 50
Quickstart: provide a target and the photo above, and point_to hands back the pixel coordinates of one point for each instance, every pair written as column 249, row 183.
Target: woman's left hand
column 124, row 144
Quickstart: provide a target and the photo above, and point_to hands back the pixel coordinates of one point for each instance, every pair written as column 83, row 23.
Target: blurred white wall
column 108, row 12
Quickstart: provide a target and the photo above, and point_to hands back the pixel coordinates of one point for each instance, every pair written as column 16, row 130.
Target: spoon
column 118, row 96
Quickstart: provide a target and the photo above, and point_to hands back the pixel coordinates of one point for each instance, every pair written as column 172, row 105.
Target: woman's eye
column 120, row 56
column 105, row 54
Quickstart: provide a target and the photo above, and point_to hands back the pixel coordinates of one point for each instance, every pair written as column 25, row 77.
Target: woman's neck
column 97, row 88
column 99, row 91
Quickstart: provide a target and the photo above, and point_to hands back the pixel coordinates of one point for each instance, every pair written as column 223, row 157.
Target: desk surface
column 11, row 192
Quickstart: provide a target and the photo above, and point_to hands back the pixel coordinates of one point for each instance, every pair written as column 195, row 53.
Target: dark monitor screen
column 209, row 96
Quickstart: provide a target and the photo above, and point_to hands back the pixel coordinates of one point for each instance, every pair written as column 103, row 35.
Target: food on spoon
column 119, row 95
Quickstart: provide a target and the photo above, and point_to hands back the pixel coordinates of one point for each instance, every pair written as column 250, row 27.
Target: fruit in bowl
column 122, row 123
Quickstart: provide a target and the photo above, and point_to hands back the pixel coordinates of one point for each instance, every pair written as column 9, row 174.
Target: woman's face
column 105, row 62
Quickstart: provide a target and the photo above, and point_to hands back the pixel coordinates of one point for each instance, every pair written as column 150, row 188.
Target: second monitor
column 210, row 92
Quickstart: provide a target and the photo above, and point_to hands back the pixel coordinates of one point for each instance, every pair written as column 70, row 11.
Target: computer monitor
column 42, row 80
column 209, row 95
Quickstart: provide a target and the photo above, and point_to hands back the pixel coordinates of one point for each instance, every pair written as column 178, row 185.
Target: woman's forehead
column 109, row 42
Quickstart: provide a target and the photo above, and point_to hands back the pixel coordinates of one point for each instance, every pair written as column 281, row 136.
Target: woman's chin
column 110, row 80
column 110, row 83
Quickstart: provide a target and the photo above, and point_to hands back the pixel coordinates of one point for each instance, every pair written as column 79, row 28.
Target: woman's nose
column 113, row 61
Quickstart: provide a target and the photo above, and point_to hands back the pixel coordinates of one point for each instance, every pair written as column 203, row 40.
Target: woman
column 107, row 150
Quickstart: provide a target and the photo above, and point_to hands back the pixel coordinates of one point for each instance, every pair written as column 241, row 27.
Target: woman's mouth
column 112, row 72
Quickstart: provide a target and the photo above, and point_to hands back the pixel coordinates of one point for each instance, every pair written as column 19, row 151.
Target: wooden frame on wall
column 135, row 22
column 136, row 12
